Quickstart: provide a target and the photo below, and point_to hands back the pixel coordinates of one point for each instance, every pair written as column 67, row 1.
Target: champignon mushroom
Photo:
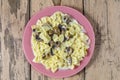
column 45, row 55
column 51, row 52
column 33, row 30
column 51, row 43
column 61, row 28
column 56, row 44
column 38, row 38
column 50, row 32
column 56, row 30
column 67, row 19
column 69, row 50
column 67, row 37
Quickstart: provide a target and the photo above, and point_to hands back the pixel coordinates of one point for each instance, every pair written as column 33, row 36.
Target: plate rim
column 60, row 76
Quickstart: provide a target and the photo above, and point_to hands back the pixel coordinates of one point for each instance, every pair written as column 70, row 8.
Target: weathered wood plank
column 105, row 18
column 0, row 40
column 35, row 8
column 79, row 6
column 13, row 15
column 56, row 2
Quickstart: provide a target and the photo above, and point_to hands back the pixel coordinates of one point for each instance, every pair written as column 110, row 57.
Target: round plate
column 26, row 41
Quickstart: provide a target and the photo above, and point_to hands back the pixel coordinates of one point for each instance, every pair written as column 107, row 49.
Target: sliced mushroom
column 58, row 43
column 48, row 55
column 62, row 28
column 33, row 30
column 51, row 52
column 69, row 60
column 69, row 50
column 50, row 32
column 67, row 37
column 45, row 55
column 67, row 19
column 56, row 30
column 51, row 43
column 38, row 38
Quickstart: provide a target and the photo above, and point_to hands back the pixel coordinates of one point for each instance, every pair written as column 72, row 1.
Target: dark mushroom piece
column 56, row 44
column 69, row 50
column 67, row 37
column 56, row 30
column 62, row 28
column 38, row 38
column 67, row 19
column 51, row 52
column 51, row 43
column 50, row 33
column 45, row 55
column 69, row 60
column 33, row 30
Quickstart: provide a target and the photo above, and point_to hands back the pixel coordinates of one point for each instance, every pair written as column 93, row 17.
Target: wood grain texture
column 35, row 8
column 13, row 17
column 56, row 2
column 105, row 18
column 79, row 6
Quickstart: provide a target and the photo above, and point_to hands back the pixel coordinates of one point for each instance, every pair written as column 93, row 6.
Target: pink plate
column 26, row 41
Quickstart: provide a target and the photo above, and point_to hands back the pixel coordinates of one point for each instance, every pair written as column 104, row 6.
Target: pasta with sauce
column 59, row 42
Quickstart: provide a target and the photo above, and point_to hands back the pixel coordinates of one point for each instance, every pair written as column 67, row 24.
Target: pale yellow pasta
column 59, row 42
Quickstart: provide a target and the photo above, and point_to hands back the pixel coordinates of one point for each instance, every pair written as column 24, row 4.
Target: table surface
column 104, row 15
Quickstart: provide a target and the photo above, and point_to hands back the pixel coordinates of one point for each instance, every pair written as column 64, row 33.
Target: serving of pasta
column 59, row 42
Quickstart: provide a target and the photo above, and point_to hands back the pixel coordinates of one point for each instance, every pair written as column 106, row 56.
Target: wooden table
column 104, row 15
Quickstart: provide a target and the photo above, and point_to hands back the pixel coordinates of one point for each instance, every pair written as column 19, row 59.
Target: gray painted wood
column 105, row 18
column 13, row 17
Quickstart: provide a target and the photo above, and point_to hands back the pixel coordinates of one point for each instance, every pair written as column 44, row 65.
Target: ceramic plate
column 26, row 41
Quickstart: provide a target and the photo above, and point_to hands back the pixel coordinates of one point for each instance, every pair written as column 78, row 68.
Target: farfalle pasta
column 59, row 42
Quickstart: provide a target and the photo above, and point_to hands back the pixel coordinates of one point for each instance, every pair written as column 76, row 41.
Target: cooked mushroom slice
column 38, row 38
column 45, row 55
column 50, row 32
column 69, row 50
column 33, row 30
column 58, row 43
column 61, row 28
column 69, row 60
column 48, row 55
column 51, row 43
column 70, row 36
column 67, row 19
column 51, row 52
column 56, row 30
column 67, row 37
column 39, row 33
